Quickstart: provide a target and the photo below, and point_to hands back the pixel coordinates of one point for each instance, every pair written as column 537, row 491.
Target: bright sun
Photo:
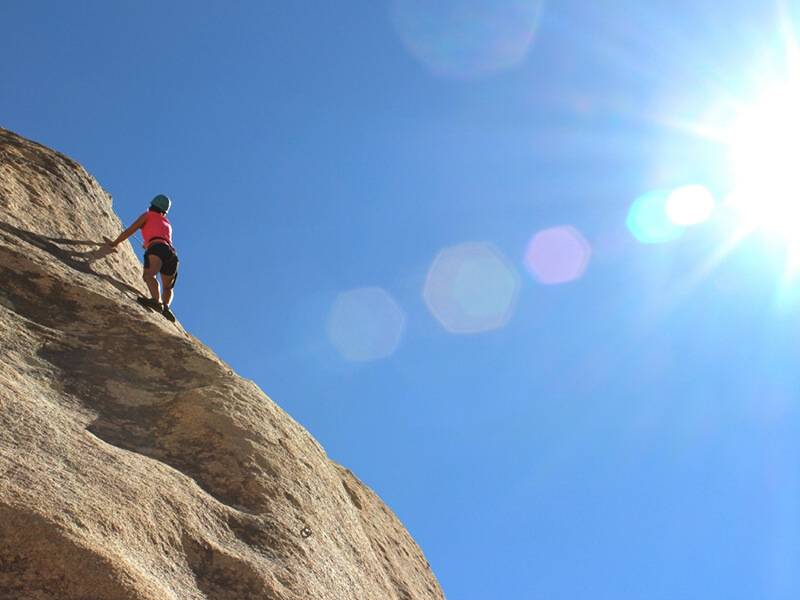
column 764, row 152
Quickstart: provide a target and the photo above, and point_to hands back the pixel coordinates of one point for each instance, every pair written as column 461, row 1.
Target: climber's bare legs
column 149, row 275
column 167, row 281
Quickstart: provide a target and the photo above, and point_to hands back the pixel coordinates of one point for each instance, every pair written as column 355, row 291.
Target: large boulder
column 127, row 476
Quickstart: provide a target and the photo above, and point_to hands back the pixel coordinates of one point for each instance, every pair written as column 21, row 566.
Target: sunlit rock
column 134, row 463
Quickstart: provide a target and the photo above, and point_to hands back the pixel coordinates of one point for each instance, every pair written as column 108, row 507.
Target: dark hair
column 158, row 210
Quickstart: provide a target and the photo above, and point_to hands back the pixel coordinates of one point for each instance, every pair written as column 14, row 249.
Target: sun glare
column 764, row 147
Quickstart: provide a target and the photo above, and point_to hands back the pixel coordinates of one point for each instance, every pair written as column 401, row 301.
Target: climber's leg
column 152, row 265
column 167, row 284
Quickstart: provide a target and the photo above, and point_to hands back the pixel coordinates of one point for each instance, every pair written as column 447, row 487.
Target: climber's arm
column 137, row 225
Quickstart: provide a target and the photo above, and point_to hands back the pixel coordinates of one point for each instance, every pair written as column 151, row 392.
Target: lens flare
column 690, row 205
column 557, row 255
column 365, row 324
column 467, row 38
column 471, row 288
column 763, row 147
column 648, row 220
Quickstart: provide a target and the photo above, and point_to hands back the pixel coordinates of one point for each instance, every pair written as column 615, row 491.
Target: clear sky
column 454, row 240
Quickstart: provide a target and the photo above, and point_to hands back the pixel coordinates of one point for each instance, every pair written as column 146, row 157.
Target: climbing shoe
column 168, row 314
column 149, row 303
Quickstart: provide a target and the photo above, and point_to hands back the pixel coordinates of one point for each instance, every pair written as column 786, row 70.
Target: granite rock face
column 123, row 476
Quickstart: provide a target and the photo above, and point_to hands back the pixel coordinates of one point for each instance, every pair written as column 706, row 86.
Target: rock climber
column 159, row 257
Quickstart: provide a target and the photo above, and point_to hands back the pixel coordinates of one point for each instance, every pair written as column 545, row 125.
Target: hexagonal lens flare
column 648, row 220
column 467, row 38
column 471, row 288
column 557, row 255
column 366, row 324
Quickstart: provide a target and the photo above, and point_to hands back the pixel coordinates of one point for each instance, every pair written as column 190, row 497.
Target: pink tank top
column 156, row 226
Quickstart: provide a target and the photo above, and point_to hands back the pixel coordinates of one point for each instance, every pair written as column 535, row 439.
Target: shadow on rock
column 80, row 261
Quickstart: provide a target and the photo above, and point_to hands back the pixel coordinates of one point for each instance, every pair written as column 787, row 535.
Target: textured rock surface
column 122, row 476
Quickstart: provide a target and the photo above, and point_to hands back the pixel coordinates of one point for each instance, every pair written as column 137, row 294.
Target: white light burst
column 764, row 152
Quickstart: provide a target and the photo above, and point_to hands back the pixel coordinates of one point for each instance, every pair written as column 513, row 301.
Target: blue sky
column 630, row 432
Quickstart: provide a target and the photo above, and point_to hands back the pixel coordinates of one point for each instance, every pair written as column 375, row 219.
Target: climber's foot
column 149, row 303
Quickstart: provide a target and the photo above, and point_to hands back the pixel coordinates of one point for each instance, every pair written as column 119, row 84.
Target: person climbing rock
column 159, row 257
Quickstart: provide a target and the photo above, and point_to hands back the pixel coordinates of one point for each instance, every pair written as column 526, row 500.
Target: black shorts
column 169, row 260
